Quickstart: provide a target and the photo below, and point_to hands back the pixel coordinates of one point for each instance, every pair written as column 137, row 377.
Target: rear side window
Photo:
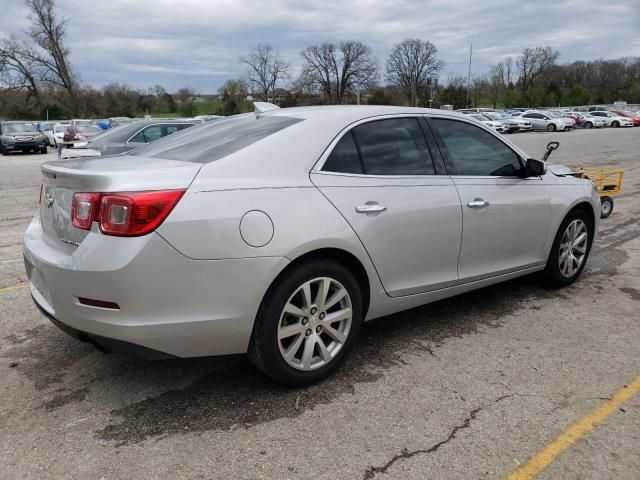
column 214, row 140
column 344, row 158
column 473, row 151
column 382, row 147
column 153, row 133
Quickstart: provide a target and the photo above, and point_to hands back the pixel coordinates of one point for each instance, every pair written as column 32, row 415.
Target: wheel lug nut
column 308, row 332
column 305, row 321
column 313, row 310
column 322, row 315
column 318, row 329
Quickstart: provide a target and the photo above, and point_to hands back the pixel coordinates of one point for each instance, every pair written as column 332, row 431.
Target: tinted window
column 153, row 133
column 393, row 147
column 472, row 151
column 214, row 140
column 344, row 158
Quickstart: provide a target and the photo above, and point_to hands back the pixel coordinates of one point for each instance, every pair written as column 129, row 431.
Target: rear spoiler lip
column 172, row 175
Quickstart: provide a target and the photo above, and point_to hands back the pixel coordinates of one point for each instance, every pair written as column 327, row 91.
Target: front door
column 505, row 216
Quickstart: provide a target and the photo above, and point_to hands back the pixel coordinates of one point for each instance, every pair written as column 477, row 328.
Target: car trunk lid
column 106, row 174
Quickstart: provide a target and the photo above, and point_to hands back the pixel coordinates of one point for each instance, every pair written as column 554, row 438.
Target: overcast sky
column 197, row 43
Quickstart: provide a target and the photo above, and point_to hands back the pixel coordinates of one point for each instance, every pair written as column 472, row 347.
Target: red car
column 633, row 116
column 79, row 133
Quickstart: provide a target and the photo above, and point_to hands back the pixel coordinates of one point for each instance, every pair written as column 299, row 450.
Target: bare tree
column 497, row 82
column 410, row 64
column 266, row 68
column 339, row 71
column 50, row 53
column 17, row 70
column 532, row 63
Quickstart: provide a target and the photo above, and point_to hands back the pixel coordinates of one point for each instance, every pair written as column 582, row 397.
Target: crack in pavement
column 404, row 454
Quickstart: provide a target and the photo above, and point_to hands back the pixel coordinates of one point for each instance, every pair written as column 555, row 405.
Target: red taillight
column 127, row 214
column 84, row 209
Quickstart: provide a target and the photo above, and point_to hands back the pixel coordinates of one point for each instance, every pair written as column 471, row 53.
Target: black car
column 127, row 137
column 21, row 137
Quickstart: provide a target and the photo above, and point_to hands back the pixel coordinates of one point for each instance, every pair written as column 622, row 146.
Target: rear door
column 537, row 120
column 505, row 216
column 382, row 178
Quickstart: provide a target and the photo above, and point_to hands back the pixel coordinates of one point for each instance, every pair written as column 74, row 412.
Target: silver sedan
column 277, row 233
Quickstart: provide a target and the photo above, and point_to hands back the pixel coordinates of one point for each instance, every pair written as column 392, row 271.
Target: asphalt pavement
column 468, row 388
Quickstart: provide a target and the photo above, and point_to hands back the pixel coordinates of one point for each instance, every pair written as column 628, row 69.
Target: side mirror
column 534, row 168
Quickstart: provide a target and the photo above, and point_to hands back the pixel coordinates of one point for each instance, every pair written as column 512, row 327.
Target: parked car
column 81, row 121
column 126, row 137
column 21, row 137
column 489, row 122
column 544, row 121
column 570, row 122
column 58, row 133
column 46, row 128
column 475, row 110
column 119, row 121
column 633, row 116
column 586, row 120
column 80, row 133
column 277, row 234
column 613, row 119
column 512, row 124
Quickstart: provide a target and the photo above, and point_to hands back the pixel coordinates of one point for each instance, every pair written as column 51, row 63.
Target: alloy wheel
column 315, row 323
column 573, row 248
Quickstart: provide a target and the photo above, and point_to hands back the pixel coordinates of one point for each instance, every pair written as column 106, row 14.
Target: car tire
column 588, row 125
column 43, row 150
column 561, row 269
column 3, row 151
column 606, row 206
column 551, row 127
column 281, row 354
column 615, row 124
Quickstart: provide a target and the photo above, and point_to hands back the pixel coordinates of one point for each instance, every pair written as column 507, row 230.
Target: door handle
column 477, row 203
column 370, row 207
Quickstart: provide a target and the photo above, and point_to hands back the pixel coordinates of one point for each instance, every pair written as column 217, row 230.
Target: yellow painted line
column 575, row 432
column 14, row 287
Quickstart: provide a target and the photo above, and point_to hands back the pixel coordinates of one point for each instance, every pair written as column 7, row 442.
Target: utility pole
column 433, row 81
column 469, row 73
column 358, row 86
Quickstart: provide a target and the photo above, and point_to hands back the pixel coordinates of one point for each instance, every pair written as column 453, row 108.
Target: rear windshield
column 214, row 140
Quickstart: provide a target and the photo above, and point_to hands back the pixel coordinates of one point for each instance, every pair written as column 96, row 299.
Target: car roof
column 352, row 113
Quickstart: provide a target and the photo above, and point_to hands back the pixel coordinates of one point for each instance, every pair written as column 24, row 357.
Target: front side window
column 475, row 152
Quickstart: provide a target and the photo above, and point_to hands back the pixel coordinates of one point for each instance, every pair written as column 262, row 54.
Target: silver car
column 278, row 233
column 545, row 121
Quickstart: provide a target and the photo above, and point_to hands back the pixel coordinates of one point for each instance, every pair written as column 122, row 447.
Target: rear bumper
column 106, row 345
column 167, row 302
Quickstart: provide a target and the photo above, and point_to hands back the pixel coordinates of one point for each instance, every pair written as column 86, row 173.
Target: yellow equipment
column 608, row 182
